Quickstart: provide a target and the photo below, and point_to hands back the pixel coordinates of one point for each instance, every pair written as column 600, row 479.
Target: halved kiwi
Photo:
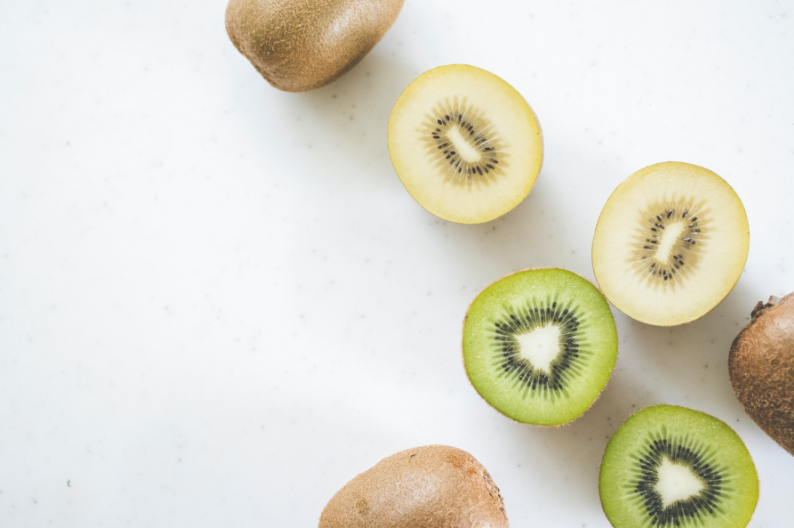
column 669, row 466
column 465, row 144
column 670, row 243
column 539, row 345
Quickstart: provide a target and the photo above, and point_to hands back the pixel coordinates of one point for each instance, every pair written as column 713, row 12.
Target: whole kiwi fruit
column 300, row 45
column 429, row 487
column 761, row 365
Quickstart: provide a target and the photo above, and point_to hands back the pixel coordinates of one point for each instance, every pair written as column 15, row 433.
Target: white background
column 218, row 303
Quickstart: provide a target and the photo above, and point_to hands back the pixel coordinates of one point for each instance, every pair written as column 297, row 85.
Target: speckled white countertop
column 218, row 303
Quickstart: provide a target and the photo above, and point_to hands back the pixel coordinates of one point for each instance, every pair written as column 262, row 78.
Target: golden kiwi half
column 670, row 243
column 465, row 144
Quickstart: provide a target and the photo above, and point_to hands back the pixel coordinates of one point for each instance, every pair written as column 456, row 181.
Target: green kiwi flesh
column 539, row 345
column 669, row 466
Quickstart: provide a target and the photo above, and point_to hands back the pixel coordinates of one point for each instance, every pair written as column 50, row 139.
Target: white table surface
column 218, row 303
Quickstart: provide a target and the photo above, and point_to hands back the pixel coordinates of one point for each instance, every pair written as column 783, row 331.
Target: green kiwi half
column 539, row 345
column 670, row 466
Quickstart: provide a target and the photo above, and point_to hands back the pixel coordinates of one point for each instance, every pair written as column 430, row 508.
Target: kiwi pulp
column 464, row 143
column 669, row 466
column 539, row 345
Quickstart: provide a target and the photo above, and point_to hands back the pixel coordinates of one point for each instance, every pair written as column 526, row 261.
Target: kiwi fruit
column 761, row 365
column 669, row 466
column 465, row 144
column 429, row 487
column 300, row 45
column 670, row 244
column 539, row 345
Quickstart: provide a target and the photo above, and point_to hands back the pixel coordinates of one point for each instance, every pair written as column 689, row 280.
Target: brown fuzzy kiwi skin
column 761, row 365
column 300, row 45
column 463, row 356
column 429, row 487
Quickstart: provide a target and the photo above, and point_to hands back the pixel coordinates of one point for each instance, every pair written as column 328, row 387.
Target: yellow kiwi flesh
column 761, row 365
column 428, row 487
column 465, row 144
column 670, row 244
column 300, row 45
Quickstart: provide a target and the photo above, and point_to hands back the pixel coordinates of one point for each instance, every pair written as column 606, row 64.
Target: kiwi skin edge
column 463, row 358
column 761, row 366
column 300, row 45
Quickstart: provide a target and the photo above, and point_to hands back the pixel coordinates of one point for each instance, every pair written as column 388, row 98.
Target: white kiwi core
column 462, row 146
column 669, row 240
column 541, row 346
column 676, row 482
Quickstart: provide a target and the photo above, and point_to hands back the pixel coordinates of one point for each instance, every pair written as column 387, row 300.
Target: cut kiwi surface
column 539, row 345
column 670, row 243
column 465, row 144
column 669, row 466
